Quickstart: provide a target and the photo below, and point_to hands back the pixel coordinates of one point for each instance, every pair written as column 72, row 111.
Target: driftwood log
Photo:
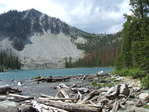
column 44, row 108
column 71, row 107
column 89, row 96
column 20, row 97
column 51, row 79
column 53, row 98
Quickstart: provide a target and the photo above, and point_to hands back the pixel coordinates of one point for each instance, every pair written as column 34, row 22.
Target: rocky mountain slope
column 40, row 41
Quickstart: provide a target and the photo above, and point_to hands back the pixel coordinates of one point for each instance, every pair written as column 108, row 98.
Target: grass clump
column 96, row 84
column 38, row 77
column 109, row 85
column 146, row 106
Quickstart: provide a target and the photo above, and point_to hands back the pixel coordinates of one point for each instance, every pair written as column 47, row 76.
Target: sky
column 92, row 16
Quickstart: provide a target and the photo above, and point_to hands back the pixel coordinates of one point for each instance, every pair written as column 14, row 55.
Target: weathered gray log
column 116, row 106
column 127, row 97
column 89, row 96
column 71, row 107
column 82, row 90
column 62, row 85
column 44, row 108
column 46, row 96
column 61, row 78
column 21, row 97
column 53, row 98
column 79, row 96
column 61, row 98
column 52, row 79
column 62, row 93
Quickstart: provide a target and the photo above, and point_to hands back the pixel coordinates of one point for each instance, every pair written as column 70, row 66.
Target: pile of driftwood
column 50, row 79
column 75, row 98
column 69, row 99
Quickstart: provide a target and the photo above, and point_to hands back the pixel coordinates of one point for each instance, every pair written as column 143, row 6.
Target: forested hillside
column 8, row 61
column 101, row 50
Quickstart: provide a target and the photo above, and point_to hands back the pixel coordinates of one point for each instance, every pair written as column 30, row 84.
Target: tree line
column 101, row 50
column 8, row 61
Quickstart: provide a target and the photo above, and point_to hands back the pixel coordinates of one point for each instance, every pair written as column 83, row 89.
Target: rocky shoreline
column 101, row 92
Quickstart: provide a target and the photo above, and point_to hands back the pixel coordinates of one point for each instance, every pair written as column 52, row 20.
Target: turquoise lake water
column 27, row 74
column 12, row 77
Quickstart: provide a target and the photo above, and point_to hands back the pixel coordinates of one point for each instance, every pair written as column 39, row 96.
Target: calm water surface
column 27, row 74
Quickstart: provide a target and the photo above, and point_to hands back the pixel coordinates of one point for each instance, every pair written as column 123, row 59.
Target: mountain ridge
column 22, row 29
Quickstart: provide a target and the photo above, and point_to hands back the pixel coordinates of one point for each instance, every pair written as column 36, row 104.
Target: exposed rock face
column 40, row 41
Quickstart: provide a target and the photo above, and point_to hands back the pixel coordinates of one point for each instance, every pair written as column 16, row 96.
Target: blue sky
column 93, row 16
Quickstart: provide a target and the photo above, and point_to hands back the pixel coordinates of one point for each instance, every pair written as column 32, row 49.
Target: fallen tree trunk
column 53, row 98
column 44, row 108
column 116, row 106
column 82, row 90
column 71, row 107
column 20, row 97
column 46, row 96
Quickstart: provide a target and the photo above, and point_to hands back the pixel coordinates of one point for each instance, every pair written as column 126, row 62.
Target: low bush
column 122, row 72
column 145, row 82
column 134, row 73
column 137, row 73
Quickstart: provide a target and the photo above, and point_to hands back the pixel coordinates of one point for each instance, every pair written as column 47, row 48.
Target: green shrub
column 134, row 72
column 137, row 73
column 145, row 82
column 122, row 72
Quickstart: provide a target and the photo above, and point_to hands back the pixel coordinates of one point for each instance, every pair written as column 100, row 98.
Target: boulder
column 27, row 108
column 7, row 89
column 143, row 96
column 3, row 98
column 8, row 106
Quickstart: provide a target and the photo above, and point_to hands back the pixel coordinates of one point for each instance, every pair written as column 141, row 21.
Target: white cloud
column 94, row 16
